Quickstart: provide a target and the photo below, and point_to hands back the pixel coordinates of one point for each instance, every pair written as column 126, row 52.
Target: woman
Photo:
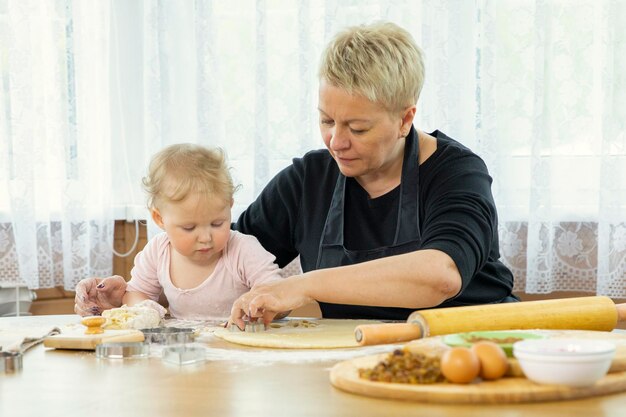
column 387, row 219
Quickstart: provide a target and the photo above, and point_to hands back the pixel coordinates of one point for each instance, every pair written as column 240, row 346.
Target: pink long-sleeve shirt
column 243, row 264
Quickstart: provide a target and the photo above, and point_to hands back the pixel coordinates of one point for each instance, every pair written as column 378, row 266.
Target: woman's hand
column 94, row 295
column 267, row 300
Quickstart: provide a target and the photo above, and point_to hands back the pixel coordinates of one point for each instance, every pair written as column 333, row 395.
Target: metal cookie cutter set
column 10, row 362
column 174, row 342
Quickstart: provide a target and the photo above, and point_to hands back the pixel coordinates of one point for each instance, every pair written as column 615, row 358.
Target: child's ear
column 156, row 216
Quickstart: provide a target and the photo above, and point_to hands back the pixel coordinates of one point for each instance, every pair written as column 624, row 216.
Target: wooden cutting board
column 512, row 389
column 75, row 338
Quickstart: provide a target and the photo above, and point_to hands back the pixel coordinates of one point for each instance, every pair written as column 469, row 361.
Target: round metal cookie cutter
column 10, row 362
column 168, row 335
column 122, row 350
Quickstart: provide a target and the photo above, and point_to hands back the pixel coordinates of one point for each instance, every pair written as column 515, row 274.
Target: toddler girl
column 198, row 262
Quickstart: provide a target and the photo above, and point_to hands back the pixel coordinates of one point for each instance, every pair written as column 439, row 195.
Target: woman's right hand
column 265, row 301
column 94, row 295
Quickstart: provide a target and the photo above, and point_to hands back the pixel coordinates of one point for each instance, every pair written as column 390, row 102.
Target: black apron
column 333, row 253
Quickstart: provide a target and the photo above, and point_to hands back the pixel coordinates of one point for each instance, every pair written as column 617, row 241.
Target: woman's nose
column 338, row 140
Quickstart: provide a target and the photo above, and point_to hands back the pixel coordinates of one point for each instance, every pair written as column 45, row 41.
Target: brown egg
column 493, row 362
column 460, row 365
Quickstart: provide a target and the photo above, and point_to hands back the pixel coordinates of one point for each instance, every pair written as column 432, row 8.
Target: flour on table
column 245, row 357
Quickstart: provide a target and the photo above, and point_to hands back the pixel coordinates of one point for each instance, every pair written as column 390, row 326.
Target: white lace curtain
column 91, row 89
column 55, row 207
column 551, row 124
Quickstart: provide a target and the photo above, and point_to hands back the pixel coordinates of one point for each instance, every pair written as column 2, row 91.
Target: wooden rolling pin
column 581, row 313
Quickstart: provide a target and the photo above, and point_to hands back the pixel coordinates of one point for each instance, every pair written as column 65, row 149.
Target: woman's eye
column 326, row 122
column 358, row 131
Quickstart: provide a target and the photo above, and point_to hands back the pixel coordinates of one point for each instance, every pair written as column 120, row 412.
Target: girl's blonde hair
column 380, row 61
column 182, row 169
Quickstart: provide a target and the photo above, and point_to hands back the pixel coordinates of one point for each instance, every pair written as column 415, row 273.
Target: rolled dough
column 320, row 334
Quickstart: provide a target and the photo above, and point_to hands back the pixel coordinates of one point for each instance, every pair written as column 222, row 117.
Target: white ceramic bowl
column 573, row 362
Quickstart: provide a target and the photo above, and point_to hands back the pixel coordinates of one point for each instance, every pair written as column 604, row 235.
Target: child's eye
column 189, row 228
column 219, row 224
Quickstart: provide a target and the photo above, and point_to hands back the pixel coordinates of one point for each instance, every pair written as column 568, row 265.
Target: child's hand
column 94, row 295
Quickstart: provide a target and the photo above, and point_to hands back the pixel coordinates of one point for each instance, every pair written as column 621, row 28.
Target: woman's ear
column 408, row 115
column 156, row 216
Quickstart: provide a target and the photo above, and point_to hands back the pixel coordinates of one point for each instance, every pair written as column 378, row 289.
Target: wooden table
column 76, row 383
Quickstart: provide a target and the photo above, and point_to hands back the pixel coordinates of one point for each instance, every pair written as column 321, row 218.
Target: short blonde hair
column 183, row 169
column 380, row 61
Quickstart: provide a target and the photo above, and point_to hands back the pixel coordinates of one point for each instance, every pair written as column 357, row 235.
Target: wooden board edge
column 63, row 341
column 137, row 336
column 55, row 343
